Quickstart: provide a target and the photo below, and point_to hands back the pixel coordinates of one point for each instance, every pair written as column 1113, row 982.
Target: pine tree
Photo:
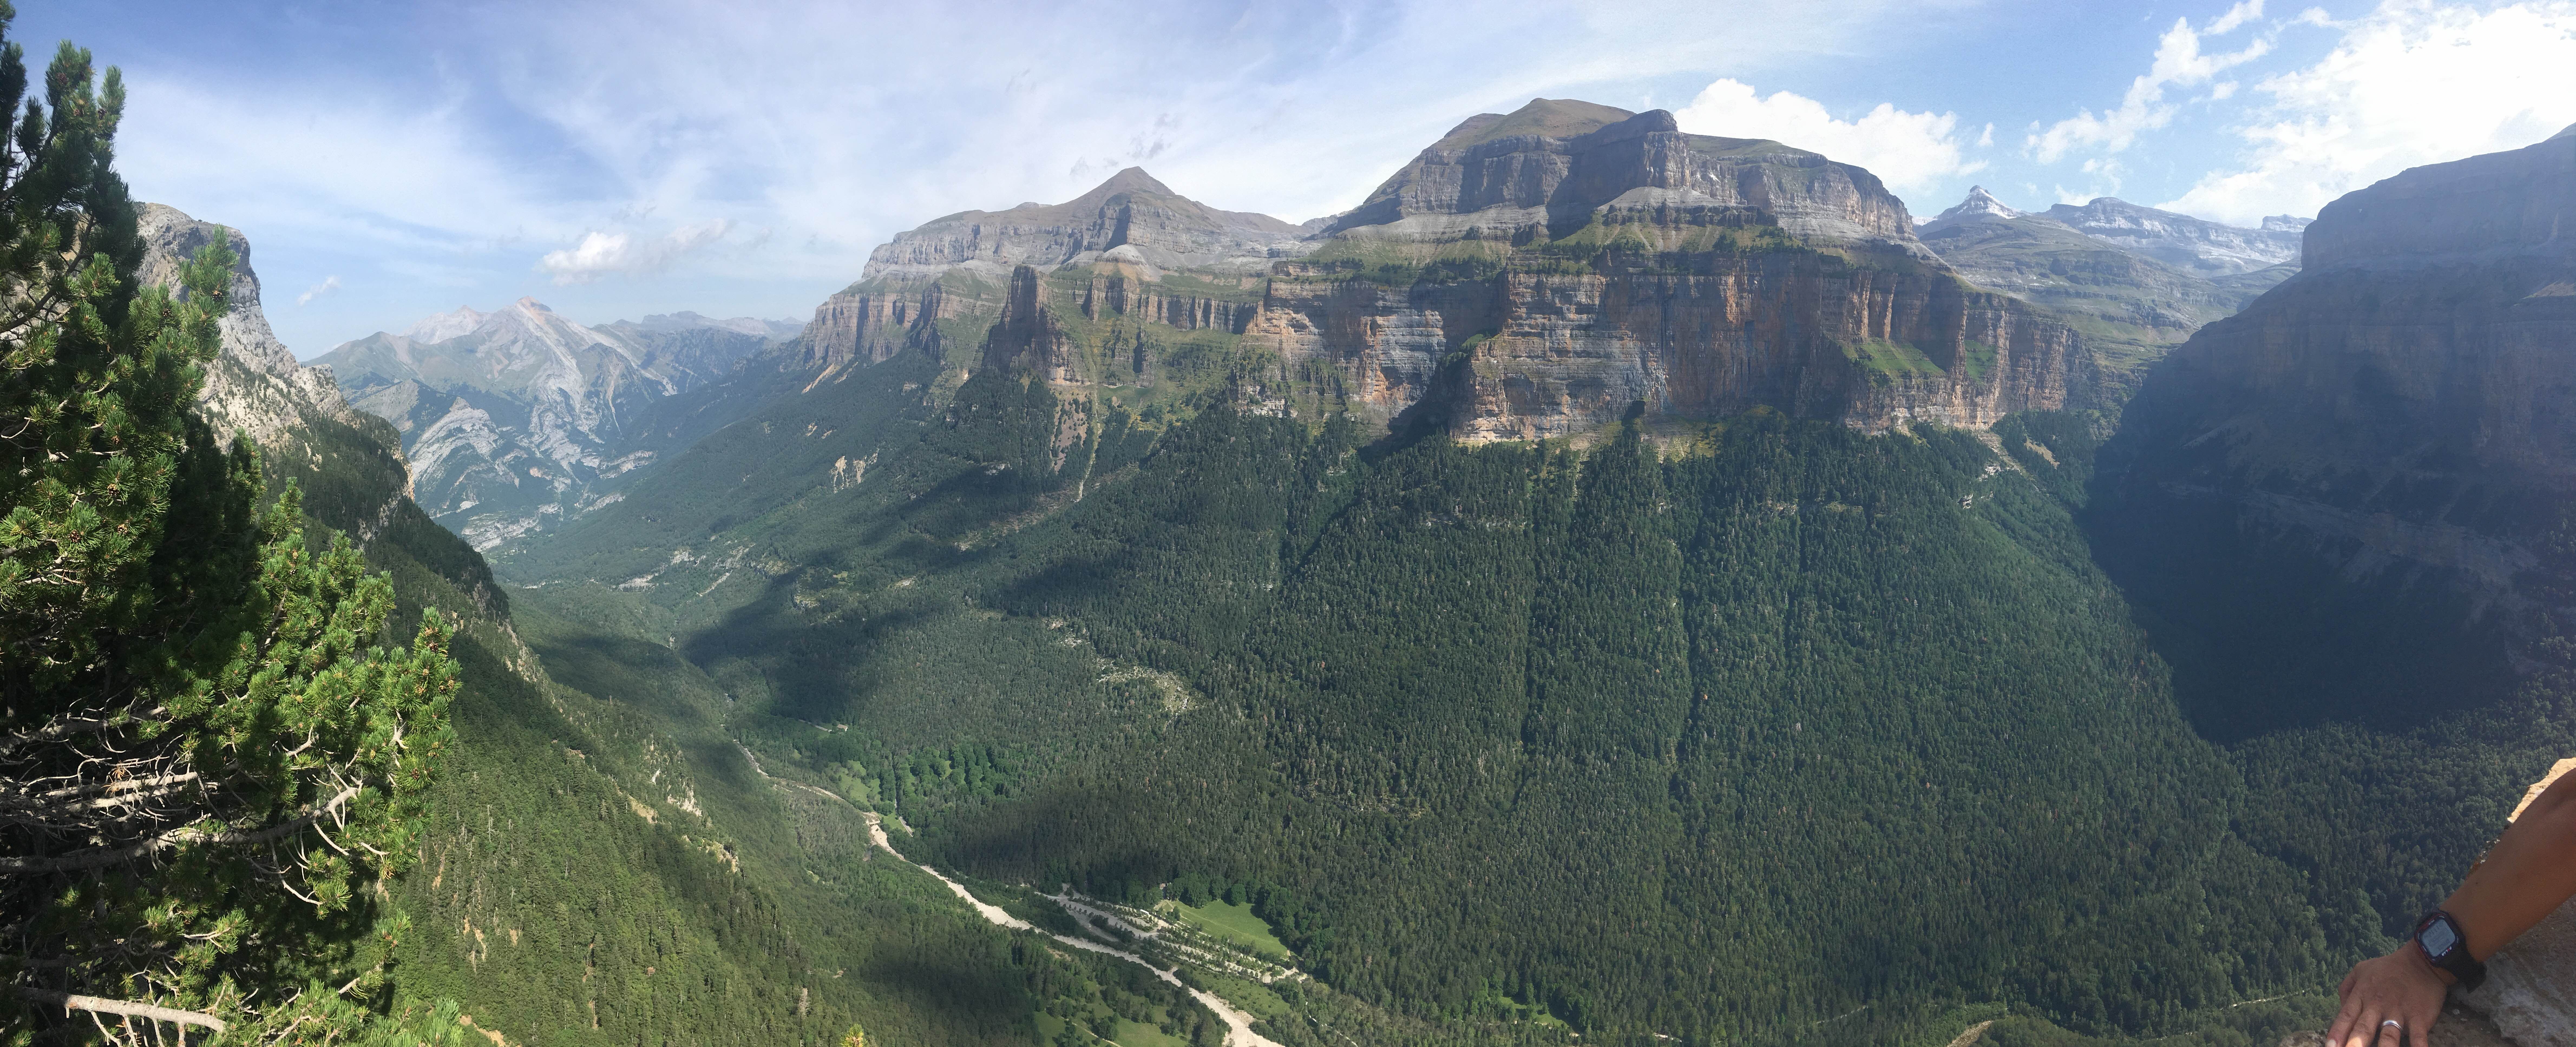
column 210, row 763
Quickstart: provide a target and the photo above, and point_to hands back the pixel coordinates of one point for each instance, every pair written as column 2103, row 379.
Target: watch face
column 2438, row 938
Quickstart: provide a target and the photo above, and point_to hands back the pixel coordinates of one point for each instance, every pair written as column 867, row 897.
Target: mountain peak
column 439, row 327
column 531, row 304
column 1980, row 206
column 1547, row 117
column 1131, row 180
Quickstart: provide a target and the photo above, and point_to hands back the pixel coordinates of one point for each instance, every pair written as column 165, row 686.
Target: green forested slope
column 603, row 864
column 1718, row 737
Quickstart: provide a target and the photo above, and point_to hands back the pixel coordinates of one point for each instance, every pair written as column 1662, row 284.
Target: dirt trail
column 1238, row 1025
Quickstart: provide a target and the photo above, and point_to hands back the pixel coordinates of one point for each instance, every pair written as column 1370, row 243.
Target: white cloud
column 2243, row 12
column 471, row 145
column 600, row 253
column 2179, row 62
column 2411, row 83
column 327, row 286
column 1904, row 149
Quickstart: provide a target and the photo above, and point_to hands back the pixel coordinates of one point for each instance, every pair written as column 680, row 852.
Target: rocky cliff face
column 1553, row 164
column 2395, row 417
column 955, row 266
column 1540, row 274
column 514, row 418
column 1558, row 265
column 256, row 386
column 2133, row 306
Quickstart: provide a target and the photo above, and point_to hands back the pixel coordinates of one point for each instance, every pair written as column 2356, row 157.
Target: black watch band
column 2439, row 937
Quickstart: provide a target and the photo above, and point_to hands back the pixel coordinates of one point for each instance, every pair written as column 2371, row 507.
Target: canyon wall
column 2399, row 417
column 1534, row 275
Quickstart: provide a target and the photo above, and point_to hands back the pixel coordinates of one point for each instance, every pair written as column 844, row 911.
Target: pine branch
column 99, row 857
column 122, row 1008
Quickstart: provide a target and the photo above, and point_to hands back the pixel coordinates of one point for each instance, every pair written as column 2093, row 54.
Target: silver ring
column 2386, row 1022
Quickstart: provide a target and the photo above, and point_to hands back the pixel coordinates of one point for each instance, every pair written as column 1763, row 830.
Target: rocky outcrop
column 1536, row 356
column 879, row 318
column 2395, row 416
column 514, row 418
column 256, row 386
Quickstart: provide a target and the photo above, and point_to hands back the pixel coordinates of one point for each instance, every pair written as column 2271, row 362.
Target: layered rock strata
column 1553, row 164
column 1130, row 209
column 1534, row 275
column 1611, row 261
column 2396, row 416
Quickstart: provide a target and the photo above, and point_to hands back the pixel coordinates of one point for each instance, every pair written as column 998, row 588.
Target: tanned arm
column 2529, row 872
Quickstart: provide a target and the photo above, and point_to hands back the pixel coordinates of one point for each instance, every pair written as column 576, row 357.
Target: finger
column 2344, row 1021
column 2419, row 1025
column 2364, row 1030
column 2392, row 1032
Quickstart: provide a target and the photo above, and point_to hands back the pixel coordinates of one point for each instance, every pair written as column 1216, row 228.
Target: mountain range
column 518, row 418
column 1614, row 584
column 2135, row 280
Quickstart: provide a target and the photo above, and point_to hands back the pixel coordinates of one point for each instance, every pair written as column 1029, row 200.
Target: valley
column 1613, row 585
column 1047, row 538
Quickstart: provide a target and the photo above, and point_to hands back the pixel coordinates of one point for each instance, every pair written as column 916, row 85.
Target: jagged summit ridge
column 2180, row 240
column 1131, row 208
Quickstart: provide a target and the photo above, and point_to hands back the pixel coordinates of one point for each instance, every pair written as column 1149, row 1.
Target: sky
column 392, row 160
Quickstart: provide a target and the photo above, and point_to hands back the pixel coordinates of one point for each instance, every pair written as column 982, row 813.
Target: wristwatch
column 2440, row 938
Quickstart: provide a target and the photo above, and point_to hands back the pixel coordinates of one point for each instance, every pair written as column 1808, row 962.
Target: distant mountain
column 2135, row 280
column 514, row 418
column 1532, row 274
column 1130, row 209
column 2190, row 244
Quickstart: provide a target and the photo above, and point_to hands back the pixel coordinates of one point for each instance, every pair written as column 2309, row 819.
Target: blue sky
column 615, row 159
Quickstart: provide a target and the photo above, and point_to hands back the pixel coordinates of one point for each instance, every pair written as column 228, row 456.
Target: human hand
column 2401, row 987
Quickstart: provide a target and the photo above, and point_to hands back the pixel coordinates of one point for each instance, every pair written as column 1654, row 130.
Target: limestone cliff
column 1533, row 275
column 1130, row 209
column 2394, row 417
column 1537, row 274
column 256, row 386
